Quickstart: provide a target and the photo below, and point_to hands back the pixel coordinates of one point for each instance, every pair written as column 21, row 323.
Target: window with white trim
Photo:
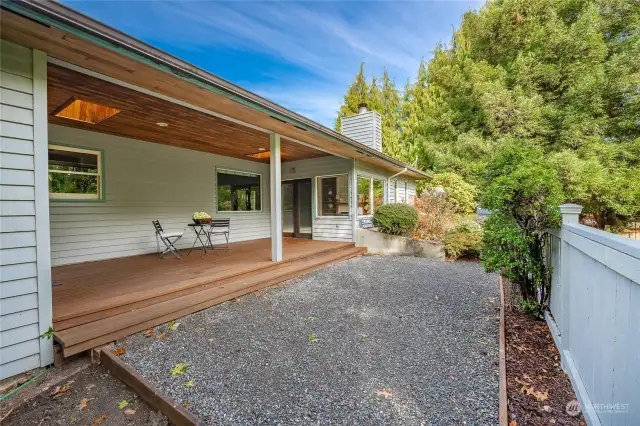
column 364, row 196
column 332, row 194
column 378, row 193
column 238, row 191
column 370, row 195
column 75, row 173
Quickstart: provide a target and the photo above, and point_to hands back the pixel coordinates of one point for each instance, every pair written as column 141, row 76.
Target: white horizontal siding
column 18, row 287
column 19, row 317
column 145, row 181
column 323, row 228
column 21, row 365
column 18, row 335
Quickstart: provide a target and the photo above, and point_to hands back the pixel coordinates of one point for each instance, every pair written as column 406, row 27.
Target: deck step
column 137, row 301
column 119, row 325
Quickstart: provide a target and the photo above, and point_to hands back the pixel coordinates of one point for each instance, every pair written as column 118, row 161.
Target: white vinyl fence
column 595, row 318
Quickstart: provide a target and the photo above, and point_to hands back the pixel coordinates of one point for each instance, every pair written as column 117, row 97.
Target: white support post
column 354, row 201
column 41, row 173
column 276, row 197
column 570, row 215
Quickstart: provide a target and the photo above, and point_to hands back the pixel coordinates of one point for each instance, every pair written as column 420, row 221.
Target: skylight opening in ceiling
column 86, row 111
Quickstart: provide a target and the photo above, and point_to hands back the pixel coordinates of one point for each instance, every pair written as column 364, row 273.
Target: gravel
column 401, row 340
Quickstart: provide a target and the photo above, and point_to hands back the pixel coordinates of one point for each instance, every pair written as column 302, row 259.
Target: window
column 364, row 196
column 378, row 193
column 401, row 192
column 75, row 173
column 332, row 195
column 369, row 189
column 239, row 191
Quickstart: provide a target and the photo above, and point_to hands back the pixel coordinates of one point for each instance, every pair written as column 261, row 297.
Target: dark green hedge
column 395, row 219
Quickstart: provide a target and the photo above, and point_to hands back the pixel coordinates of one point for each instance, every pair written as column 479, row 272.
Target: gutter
column 67, row 19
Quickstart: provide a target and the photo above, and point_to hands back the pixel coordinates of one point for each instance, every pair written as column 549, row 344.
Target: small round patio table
column 201, row 231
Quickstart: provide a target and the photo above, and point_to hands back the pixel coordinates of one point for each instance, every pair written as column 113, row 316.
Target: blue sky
column 300, row 54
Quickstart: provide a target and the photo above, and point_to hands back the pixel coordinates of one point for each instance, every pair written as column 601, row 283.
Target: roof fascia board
column 45, row 13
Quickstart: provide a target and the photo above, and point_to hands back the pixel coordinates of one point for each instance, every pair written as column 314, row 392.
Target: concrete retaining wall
column 379, row 243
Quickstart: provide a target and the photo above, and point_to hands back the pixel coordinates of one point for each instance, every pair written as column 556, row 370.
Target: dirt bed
column 538, row 390
column 89, row 397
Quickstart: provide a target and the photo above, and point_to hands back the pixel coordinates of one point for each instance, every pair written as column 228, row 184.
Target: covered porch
column 98, row 302
column 147, row 158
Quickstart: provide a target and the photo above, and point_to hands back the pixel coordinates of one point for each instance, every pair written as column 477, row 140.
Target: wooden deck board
column 97, row 286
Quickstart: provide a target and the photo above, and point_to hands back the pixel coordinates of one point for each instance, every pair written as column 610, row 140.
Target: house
column 100, row 134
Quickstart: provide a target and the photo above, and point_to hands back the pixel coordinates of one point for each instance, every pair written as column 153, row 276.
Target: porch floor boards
column 98, row 302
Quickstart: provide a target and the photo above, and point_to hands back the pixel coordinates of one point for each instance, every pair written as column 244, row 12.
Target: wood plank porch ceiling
column 139, row 114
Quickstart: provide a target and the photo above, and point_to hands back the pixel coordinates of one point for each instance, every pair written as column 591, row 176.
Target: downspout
column 389, row 183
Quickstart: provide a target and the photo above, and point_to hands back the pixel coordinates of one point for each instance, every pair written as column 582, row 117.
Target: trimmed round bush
column 396, row 219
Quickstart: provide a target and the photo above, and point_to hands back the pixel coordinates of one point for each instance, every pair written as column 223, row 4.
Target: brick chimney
column 364, row 127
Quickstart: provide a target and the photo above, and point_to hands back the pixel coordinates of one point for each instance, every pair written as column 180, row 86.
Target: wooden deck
column 98, row 302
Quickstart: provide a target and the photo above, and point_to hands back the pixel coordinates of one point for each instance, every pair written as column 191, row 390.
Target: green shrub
column 464, row 239
column 523, row 192
column 395, row 219
column 461, row 194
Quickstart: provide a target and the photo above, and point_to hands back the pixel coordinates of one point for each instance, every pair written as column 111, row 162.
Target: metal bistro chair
column 220, row 227
column 168, row 238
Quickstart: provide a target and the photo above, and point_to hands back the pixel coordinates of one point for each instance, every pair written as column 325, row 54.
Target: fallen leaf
column 91, row 386
column 129, row 412
column 212, row 340
column 540, row 396
column 313, row 338
column 190, row 384
column 179, row 368
column 119, row 351
column 513, row 423
column 73, row 420
column 148, row 332
column 100, row 419
column 59, row 390
column 385, row 392
column 83, row 404
column 161, row 336
column 173, row 326
column 363, row 335
column 185, row 404
column 123, row 404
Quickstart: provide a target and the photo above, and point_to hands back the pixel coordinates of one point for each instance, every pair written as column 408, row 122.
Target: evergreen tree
column 560, row 75
column 357, row 94
column 381, row 96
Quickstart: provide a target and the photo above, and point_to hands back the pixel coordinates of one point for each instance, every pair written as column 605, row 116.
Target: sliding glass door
column 296, row 208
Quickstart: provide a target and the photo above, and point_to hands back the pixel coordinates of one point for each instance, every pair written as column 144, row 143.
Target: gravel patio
column 398, row 340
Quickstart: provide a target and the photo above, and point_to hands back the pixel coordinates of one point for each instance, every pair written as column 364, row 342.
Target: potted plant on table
column 200, row 218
